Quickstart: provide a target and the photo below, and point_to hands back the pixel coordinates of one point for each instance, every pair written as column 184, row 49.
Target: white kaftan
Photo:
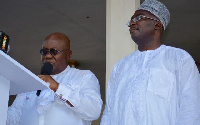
column 154, row 87
column 79, row 87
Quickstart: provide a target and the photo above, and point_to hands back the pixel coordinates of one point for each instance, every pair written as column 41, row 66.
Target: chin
column 134, row 40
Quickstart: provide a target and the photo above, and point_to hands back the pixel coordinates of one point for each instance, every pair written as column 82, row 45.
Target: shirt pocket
column 160, row 83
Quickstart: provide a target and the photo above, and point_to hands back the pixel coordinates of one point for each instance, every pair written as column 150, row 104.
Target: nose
column 48, row 55
column 132, row 23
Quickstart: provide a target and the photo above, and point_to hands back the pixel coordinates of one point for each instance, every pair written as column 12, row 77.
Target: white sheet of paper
column 21, row 79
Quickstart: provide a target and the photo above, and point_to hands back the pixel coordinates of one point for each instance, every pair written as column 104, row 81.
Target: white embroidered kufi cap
column 158, row 9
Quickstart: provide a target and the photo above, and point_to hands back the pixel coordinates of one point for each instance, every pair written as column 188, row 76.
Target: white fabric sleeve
column 44, row 100
column 86, row 98
column 14, row 113
column 189, row 106
column 63, row 92
column 105, row 120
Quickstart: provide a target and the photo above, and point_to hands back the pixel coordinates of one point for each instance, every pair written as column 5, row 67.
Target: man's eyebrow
column 137, row 15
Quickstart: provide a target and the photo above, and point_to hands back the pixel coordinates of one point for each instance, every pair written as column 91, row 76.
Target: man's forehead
column 54, row 43
column 58, row 41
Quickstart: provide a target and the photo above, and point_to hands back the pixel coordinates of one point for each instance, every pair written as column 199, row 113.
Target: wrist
column 54, row 86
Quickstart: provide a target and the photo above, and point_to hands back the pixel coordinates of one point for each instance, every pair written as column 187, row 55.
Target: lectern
column 15, row 79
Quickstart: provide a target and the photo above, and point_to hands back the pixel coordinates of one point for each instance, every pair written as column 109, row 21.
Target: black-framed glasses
column 52, row 51
column 138, row 18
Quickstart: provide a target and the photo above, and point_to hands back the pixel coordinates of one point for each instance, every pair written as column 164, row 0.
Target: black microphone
column 46, row 69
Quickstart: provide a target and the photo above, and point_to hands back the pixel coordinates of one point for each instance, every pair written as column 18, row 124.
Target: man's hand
column 47, row 78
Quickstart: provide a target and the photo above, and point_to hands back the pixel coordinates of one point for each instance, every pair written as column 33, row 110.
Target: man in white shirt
column 73, row 97
column 157, row 84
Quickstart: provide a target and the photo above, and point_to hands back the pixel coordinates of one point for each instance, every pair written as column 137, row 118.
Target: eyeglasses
column 52, row 51
column 138, row 18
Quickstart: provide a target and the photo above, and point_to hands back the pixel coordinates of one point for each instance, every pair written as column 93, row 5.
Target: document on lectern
column 21, row 79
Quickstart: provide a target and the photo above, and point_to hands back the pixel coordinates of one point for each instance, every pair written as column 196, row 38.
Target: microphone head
column 46, row 69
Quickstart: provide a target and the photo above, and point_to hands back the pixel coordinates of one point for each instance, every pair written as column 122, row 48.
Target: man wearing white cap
column 157, row 84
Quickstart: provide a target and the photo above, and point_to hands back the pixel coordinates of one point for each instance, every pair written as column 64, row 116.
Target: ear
column 158, row 26
column 69, row 54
